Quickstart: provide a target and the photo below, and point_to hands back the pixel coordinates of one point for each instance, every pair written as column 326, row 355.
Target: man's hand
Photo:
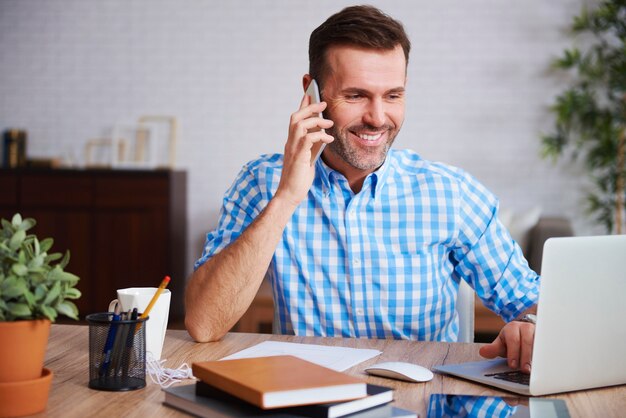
column 515, row 342
column 298, row 172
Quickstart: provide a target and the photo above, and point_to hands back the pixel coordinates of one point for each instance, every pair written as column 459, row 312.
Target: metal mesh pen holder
column 117, row 352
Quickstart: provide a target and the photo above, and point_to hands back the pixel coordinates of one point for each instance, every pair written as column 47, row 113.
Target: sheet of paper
column 336, row 358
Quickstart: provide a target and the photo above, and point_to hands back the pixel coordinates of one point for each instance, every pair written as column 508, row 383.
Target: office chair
column 465, row 309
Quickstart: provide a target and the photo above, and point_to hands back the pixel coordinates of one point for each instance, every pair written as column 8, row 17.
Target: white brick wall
column 478, row 91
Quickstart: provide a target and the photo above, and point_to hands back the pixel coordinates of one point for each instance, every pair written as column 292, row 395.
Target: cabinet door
column 8, row 192
column 60, row 203
column 130, row 249
column 130, row 232
column 70, row 230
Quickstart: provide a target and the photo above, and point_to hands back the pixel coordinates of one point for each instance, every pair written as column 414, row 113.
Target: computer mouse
column 400, row 370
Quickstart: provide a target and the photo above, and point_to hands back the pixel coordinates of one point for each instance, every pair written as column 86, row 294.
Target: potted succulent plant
column 591, row 112
column 34, row 290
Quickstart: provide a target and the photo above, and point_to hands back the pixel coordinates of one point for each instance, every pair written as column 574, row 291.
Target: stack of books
column 279, row 386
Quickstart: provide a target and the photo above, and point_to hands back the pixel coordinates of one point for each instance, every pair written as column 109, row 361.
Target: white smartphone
column 313, row 92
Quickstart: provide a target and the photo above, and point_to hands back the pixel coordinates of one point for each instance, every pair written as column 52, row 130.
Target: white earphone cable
column 165, row 377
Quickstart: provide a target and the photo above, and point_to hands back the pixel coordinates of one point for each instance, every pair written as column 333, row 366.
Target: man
column 367, row 241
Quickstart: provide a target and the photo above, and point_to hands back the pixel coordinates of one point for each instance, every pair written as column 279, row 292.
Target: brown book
column 279, row 381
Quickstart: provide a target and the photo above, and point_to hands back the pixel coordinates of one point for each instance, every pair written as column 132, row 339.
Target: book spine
column 14, row 148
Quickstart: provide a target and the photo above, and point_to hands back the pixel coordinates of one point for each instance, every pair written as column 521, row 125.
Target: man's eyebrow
column 357, row 90
column 354, row 90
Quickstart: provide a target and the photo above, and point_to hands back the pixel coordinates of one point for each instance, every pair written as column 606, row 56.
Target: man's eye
column 353, row 96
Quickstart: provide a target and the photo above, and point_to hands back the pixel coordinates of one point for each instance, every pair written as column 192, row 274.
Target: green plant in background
column 33, row 284
column 591, row 113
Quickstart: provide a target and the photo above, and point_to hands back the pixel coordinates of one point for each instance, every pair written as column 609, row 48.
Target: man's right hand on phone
column 305, row 129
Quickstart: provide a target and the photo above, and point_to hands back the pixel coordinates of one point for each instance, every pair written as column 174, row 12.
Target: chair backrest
column 465, row 309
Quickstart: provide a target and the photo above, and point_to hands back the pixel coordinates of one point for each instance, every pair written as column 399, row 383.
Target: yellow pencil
column 158, row 292
column 163, row 285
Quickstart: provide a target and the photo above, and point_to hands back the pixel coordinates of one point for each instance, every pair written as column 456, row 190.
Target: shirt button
column 359, row 311
column 357, row 262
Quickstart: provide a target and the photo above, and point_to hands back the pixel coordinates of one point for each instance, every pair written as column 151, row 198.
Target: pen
column 129, row 346
column 158, row 292
column 108, row 345
column 117, row 356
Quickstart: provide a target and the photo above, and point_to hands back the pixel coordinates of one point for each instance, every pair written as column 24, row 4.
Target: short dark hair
column 361, row 26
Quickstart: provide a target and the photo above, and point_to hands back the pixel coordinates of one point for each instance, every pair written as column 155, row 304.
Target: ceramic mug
column 156, row 325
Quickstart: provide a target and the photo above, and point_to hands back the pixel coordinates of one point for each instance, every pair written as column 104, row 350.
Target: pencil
column 158, row 292
column 163, row 285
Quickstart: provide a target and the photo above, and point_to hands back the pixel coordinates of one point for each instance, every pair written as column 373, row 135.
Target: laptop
column 580, row 337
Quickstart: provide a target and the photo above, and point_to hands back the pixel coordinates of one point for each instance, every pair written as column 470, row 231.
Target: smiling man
column 368, row 241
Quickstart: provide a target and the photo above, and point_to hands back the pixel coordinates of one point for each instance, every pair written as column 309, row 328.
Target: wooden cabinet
column 124, row 228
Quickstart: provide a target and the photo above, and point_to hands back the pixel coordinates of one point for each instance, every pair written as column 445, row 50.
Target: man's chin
column 366, row 164
column 361, row 158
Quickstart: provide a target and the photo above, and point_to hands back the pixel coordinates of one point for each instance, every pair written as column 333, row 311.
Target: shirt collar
column 323, row 171
column 376, row 180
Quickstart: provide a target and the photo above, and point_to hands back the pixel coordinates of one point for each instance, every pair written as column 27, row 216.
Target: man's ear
column 306, row 80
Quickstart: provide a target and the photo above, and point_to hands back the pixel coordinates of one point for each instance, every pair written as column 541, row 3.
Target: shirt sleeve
column 242, row 202
column 488, row 258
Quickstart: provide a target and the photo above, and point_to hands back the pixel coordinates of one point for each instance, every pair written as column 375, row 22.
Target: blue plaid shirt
column 385, row 262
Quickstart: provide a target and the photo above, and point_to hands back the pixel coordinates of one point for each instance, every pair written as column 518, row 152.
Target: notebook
column 580, row 337
column 279, row 381
column 185, row 398
column 376, row 395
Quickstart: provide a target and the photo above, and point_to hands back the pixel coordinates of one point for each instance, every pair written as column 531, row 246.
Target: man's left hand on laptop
column 515, row 342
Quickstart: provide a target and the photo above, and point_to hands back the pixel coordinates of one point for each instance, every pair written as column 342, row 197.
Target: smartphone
column 313, row 92
column 447, row 406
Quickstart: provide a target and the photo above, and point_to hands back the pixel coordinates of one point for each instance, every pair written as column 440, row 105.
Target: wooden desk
column 68, row 357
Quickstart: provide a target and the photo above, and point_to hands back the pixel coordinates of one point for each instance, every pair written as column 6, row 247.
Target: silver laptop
column 580, row 338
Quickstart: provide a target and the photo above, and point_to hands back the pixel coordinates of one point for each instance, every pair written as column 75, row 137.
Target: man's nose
column 375, row 114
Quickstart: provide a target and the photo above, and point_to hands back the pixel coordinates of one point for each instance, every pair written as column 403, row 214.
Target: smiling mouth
column 370, row 137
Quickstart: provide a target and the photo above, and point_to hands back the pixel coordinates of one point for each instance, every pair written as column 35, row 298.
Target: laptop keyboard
column 514, row 376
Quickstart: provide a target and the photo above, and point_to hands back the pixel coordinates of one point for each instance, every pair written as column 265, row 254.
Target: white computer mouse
column 402, row 371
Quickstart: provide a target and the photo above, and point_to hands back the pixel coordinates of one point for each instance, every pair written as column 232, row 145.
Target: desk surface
column 68, row 357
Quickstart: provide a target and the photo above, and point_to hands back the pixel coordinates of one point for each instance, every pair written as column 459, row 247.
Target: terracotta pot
column 26, row 397
column 22, row 349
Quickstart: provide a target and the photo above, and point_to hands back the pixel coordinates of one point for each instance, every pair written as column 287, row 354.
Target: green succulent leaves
column 33, row 283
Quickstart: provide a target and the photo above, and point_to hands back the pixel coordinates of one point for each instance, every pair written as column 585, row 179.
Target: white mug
column 156, row 325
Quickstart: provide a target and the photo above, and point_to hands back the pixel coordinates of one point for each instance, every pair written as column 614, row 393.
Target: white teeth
column 370, row 137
